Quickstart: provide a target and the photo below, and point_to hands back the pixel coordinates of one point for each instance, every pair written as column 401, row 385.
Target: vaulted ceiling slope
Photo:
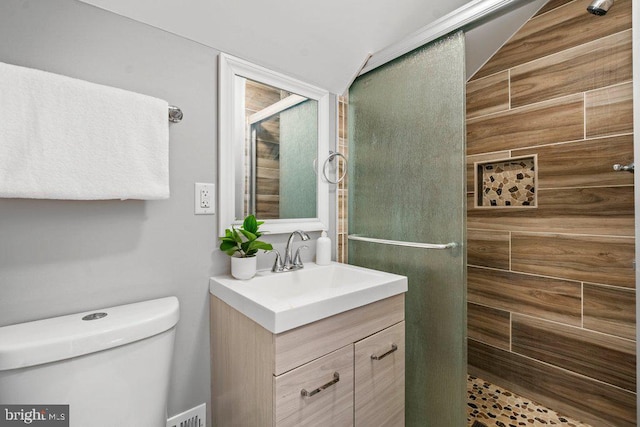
column 322, row 42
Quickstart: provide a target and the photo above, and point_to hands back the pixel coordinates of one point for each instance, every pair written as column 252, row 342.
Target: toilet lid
column 58, row 338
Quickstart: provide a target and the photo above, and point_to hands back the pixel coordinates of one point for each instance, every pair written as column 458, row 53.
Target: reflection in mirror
column 273, row 131
column 281, row 141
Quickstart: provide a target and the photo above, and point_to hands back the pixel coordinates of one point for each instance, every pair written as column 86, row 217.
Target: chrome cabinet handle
column 336, row 378
column 382, row 356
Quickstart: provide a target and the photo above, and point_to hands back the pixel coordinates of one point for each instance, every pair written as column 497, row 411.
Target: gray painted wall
column 60, row 257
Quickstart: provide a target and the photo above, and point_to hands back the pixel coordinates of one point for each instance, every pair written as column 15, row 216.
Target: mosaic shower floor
column 494, row 406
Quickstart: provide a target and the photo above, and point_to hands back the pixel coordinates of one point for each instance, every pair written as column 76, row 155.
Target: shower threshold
column 489, row 405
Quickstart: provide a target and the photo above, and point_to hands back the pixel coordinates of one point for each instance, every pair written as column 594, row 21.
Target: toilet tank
column 111, row 366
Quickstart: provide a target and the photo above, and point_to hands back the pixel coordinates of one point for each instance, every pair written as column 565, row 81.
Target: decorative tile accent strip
column 495, row 406
column 342, row 253
column 507, row 182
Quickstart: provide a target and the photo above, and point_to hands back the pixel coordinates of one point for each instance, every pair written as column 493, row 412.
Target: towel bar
column 175, row 114
column 451, row 245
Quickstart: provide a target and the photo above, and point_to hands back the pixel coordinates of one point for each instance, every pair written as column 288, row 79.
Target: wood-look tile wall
column 551, row 289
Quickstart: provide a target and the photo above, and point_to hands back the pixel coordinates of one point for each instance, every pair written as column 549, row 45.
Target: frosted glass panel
column 407, row 169
column 298, row 148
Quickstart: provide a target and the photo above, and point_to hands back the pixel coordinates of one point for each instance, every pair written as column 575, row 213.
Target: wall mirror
column 272, row 131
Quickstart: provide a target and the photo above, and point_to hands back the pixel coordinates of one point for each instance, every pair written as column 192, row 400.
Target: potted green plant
column 242, row 245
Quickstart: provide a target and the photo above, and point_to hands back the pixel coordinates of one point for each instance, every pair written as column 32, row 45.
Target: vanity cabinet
column 344, row 370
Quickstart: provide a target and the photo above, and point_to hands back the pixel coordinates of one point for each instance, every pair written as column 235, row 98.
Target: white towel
column 63, row 138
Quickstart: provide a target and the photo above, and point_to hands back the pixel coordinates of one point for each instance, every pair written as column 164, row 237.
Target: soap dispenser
column 323, row 249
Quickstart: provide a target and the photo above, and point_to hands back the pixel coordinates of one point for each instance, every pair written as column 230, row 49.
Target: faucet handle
column 303, row 235
column 278, row 266
column 297, row 260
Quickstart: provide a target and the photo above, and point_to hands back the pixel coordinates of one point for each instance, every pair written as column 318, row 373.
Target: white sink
column 283, row 301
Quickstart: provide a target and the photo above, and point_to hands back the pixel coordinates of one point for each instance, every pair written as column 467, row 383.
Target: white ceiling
column 323, row 42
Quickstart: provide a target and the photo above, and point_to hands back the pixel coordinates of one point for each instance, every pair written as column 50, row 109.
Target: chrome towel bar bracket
column 626, row 168
column 175, row 114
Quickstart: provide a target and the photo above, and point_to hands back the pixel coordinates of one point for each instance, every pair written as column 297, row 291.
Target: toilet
column 111, row 366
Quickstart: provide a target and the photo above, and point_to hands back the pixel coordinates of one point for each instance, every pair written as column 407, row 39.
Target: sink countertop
column 283, row 301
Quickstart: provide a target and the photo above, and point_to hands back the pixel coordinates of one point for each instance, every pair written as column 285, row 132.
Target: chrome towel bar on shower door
column 450, row 245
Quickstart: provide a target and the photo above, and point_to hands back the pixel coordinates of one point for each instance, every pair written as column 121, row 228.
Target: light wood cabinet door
column 379, row 379
column 328, row 382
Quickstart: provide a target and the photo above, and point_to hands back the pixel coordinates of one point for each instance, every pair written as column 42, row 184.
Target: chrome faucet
column 290, row 262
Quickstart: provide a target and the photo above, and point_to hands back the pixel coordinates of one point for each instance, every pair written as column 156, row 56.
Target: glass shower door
column 407, row 183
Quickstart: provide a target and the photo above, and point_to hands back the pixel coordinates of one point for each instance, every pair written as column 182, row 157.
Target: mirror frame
column 231, row 133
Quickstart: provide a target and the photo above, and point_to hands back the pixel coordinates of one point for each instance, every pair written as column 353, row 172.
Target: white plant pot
column 244, row 268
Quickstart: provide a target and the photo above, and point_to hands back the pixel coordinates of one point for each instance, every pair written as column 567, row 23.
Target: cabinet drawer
column 379, row 379
column 301, row 345
column 329, row 380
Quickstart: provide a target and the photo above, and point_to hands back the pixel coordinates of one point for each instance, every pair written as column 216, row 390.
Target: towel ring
column 332, row 156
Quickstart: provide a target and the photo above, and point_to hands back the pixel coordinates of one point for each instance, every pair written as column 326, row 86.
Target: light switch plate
column 205, row 196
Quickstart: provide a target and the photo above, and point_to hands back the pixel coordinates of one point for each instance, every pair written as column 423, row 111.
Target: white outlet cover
column 197, row 195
